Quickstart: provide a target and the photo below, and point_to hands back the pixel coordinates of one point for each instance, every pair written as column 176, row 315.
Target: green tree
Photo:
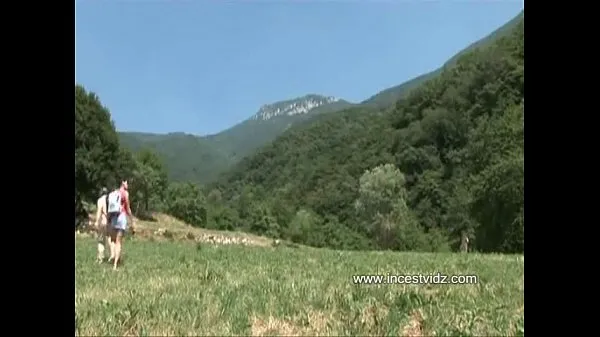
column 186, row 202
column 263, row 222
column 149, row 181
column 382, row 206
column 97, row 150
column 498, row 185
column 303, row 225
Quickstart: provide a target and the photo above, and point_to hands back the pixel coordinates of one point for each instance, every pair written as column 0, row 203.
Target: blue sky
column 202, row 66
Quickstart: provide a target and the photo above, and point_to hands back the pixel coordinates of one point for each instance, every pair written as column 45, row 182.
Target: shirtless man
column 101, row 226
column 120, row 203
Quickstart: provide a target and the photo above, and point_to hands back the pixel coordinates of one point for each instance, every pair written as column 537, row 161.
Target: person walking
column 101, row 226
column 119, row 208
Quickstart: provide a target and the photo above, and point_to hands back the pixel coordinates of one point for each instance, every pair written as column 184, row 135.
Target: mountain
column 293, row 107
column 443, row 164
column 202, row 159
column 270, row 121
column 187, row 157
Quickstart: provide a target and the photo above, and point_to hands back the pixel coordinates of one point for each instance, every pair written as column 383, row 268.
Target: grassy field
column 185, row 288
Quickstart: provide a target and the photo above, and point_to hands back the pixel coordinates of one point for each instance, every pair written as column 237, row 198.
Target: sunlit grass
column 180, row 288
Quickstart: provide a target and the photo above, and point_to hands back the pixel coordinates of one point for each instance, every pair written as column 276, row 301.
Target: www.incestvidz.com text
column 435, row 278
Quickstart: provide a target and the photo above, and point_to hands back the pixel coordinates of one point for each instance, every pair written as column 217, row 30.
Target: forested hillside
column 203, row 159
column 269, row 122
column 191, row 158
column 439, row 167
column 393, row 94
column 444, row 165
column 186, row 157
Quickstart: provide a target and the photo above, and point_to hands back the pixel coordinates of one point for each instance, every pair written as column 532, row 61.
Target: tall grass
column 173, row 288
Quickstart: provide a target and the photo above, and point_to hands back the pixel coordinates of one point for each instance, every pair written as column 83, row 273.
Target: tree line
column 439, row 166
column 448, row 158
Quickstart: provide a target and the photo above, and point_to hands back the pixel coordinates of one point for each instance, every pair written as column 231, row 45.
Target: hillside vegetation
column 393, row 94
column 440, row 170
column 444, row 165
column 169, row 288
column 203, row 159
column 186, row 157
column 190, row 158
column 244, row 138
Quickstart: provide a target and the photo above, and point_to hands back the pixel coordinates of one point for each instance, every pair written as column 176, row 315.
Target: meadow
column 172, row 287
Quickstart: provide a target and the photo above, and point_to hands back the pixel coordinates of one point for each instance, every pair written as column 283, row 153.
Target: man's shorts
column 120, row 222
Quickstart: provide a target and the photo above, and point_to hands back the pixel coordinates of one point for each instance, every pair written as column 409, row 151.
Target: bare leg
column 111, row 246
column 111, row 236
column 118, row 241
